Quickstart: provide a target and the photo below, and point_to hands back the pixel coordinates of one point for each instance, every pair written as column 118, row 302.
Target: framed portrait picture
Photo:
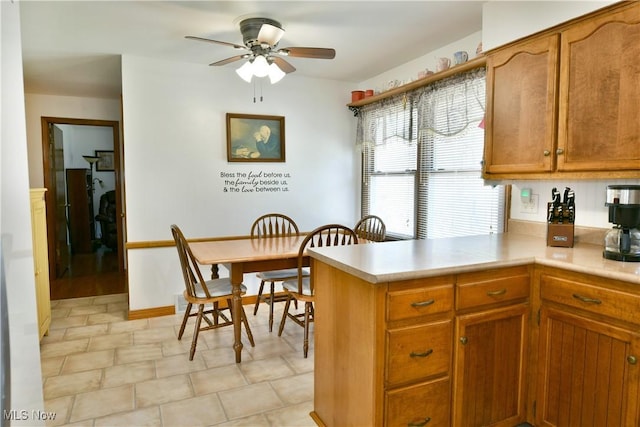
column 253, row 138
column 105, row 162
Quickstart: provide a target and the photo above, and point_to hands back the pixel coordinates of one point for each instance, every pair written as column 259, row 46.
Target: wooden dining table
column 246, row 256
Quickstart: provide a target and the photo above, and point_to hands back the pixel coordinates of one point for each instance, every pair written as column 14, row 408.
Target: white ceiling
column 73, row 47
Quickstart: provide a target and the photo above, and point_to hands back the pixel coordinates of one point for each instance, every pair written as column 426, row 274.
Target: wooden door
column 588, row 372
column 58, row 188
column 600, row 94
column 520, row 133
column 490, row 353
column 79, row 210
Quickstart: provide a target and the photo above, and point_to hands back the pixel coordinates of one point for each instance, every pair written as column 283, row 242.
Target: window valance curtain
column 422, row 153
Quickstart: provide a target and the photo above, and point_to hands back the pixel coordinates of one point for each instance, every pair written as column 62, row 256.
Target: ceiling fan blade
column 235, row 46
column 270, row 34
column 230, row 60
column 308, row 52
column 284, row 65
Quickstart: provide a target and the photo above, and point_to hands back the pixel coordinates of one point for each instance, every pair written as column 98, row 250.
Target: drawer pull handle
column 423, row 354
column 587, row 300
column 423, row 303
column 464, row 340
column 632, row 360
column 496, row 293
column 419, row 422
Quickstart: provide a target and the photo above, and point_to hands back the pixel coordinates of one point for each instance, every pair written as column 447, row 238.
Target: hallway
column 93, row 274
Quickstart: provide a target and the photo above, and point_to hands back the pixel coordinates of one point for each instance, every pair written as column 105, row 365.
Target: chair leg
column 255, row 307
column 284, row 315
column 215, row 313
column 307, row 314
column 184, row 321
column 271, row 303
column 196, row 331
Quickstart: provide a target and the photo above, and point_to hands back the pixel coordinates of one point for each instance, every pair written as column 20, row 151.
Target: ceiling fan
column 261, row 37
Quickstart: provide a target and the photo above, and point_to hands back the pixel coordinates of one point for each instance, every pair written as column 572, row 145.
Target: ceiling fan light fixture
column 270, row 34
column 260, row 66
column 275, row 73
column 246, row 71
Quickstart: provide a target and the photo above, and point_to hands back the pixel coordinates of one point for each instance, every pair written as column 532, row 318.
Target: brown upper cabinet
column 565, row 102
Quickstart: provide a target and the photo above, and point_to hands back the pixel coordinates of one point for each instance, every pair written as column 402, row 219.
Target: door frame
column 50, row 197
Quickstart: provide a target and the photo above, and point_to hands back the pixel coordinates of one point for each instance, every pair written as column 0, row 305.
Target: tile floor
column 100, row 369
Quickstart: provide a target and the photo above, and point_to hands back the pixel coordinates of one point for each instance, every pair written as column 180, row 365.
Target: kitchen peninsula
column 480, row 330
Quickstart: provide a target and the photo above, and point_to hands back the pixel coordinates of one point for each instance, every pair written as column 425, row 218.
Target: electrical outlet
column 531, row 207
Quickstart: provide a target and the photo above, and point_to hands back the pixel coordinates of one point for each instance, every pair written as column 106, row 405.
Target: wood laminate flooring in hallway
column 92, row 274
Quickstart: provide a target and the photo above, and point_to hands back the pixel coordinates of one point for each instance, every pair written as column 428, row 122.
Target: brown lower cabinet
column 489, row 367
column 589, row 347
column 496, row 347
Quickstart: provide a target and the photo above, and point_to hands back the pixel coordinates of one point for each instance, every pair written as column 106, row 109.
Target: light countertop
column 413, row 259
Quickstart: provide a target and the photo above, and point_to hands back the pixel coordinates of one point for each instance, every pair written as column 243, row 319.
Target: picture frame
column 106, row 162
column 255, row 138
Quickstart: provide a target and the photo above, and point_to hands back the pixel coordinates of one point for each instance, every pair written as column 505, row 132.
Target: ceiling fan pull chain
column 254, row 91
column 260, row 90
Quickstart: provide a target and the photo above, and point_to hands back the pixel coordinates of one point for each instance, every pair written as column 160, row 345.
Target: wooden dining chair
column 273, row 225
column 201, row 292
column 372, row 228
column 302, row 287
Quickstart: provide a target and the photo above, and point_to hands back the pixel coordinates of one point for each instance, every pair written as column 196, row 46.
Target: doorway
column 82, row 173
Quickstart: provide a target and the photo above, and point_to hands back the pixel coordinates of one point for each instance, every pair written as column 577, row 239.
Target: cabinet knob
column 559, row 151
column 546, row 153
column 419, row 422
column 464, row 340
column 632, row 360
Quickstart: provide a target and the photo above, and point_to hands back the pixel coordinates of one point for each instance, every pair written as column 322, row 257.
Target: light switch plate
column 531, row 207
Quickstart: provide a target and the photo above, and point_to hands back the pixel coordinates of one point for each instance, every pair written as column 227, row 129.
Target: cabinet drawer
column 423, row 404
column 410, row 303
column 491, row 287
column 417, row 352
column 596, row 299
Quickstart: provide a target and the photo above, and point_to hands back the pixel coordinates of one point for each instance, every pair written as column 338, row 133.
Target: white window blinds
column 421, row 161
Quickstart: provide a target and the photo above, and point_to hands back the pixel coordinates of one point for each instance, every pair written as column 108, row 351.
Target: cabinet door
column 520, row 132
column 600, row 94
column 588, row 373
column 41, row 260
column 489, row 367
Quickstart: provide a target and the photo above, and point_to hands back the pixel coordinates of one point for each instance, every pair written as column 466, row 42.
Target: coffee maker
column 622, row 243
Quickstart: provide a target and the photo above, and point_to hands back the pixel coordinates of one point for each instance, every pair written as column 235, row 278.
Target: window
column 422, row 155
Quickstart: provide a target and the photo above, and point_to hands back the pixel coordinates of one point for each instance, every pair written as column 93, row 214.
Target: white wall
column 590, row 198
column 175, row 151
column 408, row 72
column 15, row 227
